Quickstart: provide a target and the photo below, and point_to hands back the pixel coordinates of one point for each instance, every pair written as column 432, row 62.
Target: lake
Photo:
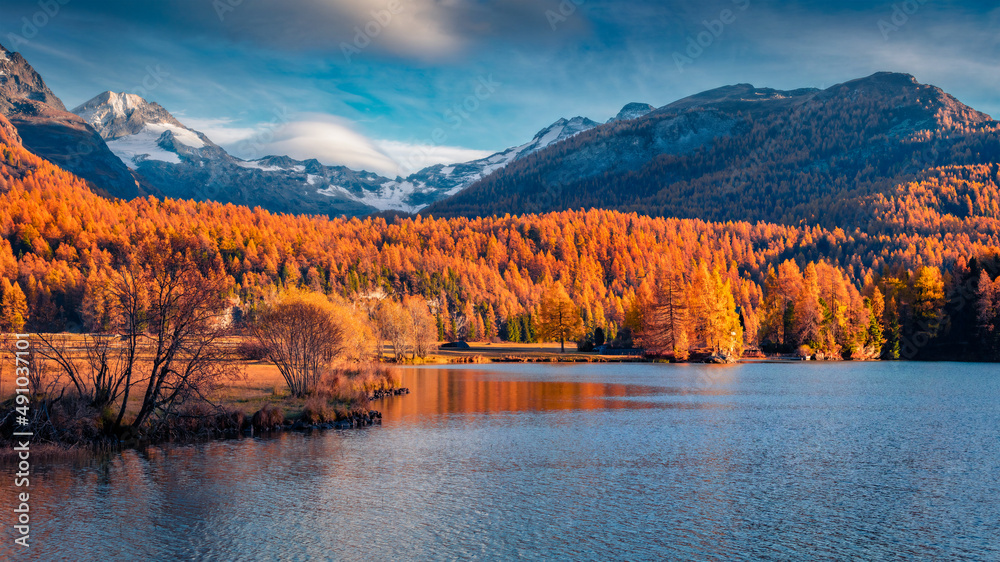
column 575, row 462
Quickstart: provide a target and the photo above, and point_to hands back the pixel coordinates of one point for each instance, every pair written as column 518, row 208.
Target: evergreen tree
column 514, row 329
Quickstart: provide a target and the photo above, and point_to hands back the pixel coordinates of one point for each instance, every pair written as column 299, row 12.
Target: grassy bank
column 252, row 400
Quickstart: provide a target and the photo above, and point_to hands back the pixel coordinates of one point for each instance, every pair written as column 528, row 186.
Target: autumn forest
column 668, row 285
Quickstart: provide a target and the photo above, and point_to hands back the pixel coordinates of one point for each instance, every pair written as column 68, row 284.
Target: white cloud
column 331, row 140
column 221, row 130
column 415, row 157
column 413, row 27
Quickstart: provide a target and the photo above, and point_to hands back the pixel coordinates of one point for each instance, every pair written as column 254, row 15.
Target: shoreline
column 258, row 403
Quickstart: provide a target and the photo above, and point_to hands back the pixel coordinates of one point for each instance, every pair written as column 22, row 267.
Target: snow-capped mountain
column 182, row 162
column 439, row 181
column 51, row 132
column 137, row 130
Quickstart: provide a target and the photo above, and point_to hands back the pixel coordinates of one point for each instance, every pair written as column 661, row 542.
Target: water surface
column 581, row 462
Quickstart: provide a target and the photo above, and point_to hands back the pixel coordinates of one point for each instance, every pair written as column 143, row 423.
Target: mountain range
column 744, row 153
column 180, row 162
column 733, row 153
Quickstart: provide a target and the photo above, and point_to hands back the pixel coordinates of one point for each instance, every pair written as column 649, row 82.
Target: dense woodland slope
column 797, row 157
column 922, row 284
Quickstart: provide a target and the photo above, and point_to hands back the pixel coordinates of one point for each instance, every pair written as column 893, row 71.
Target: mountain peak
column 882, row 83
column 889, row 76
column 736, row 94
column 556, row 132
column 21, row 88
column 928, row 106
column 120, row 102
column 115, row 115
column 633, row 110
column 562, row 129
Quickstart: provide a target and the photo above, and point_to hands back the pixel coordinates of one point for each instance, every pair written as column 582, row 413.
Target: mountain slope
column 745, row 153
column 49, row 131
column 182, row 162
column 439, row 181
column 632, row 111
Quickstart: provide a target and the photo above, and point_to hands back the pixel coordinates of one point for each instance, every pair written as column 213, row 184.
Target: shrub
column 316, row 410
column 358, row 382
column 624, row 339
column 251, row 350
column 230, row 420
column 267, row 417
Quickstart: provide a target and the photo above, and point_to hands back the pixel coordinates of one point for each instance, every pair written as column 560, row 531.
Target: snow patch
column 391, row 195
column 258, row 166
column 144, row 145
column 550, row 137
column 334, row 190
column 181, row 135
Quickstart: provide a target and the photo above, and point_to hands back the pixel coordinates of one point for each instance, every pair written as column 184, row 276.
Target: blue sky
column 448, row 80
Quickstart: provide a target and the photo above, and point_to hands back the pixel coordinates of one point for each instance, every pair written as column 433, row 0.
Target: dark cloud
column 236, row 61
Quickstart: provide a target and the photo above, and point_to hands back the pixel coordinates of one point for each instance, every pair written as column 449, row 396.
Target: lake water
column 575, row 462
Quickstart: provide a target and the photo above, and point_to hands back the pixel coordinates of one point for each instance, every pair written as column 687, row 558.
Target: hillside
column 59, row 243
column 178, row 161
column 48, row 130
column 742, row 153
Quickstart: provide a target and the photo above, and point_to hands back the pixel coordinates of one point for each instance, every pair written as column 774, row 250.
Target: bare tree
column 164, row 306
column 302, row 336
column 393, row 321
column 184, row 299
column 422, row 330
column 97, row 365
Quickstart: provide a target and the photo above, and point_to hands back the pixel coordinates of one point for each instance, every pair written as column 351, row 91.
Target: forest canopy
column 924, row 279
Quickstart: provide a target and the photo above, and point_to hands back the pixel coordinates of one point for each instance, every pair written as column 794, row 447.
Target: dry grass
column 317, row 410
column 354, row 384
column 268, row 417
column 258, row 398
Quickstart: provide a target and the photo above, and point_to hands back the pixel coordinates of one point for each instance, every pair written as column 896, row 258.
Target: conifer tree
column 558, row 317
